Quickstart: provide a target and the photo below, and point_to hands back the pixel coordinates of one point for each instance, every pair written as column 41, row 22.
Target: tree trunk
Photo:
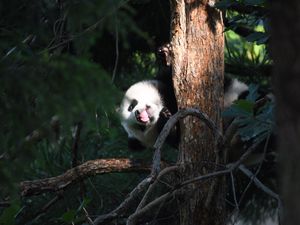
column 286, row 55
column 198, row 63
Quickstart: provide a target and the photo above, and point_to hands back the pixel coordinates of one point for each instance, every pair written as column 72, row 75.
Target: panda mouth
column 143, row 117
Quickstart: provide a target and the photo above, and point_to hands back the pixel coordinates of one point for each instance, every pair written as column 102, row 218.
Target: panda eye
column 132, row 105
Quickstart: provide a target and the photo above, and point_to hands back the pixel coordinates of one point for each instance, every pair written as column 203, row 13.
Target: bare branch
column 76, row 144
column 3, row 155
column 149, row 207
column 257, row 170
column 258, row 183
column 89, row 168
column 234, row 192
column 133, row 219
column 88, row 29
column 230, row 133
column 142, row 211
column 150, row 189
column 117, row 52
column 103, row 219
column 171, row 123
column 48, row 205
column 87, row 216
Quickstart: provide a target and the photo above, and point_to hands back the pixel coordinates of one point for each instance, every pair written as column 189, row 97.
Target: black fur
column 135, row 144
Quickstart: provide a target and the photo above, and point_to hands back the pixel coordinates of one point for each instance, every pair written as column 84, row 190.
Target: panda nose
column 137, row 112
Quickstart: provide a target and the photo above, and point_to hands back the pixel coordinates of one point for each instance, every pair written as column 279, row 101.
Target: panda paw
column 165, row 54
column 165, row 113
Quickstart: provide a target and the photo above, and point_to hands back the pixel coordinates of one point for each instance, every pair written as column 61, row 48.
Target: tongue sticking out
column 144, row 116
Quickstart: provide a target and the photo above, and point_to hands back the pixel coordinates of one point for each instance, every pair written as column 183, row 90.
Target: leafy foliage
column 56, row 64
column 51, row 81
column 247, row 57
column 253, row 123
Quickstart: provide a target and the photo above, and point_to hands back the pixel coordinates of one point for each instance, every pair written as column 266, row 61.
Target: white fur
column 147, row 95
column 235, row 89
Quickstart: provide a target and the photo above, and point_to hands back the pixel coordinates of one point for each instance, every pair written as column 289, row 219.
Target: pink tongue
column 144, row 116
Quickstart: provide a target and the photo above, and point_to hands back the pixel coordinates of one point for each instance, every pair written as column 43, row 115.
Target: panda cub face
column 140, row 111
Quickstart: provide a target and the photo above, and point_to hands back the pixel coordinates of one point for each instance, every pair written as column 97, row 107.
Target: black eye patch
column 134, row 102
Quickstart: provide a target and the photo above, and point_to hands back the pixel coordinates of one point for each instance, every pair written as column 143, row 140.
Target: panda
column 144, row 110
column 147, row 105
column 234, row 89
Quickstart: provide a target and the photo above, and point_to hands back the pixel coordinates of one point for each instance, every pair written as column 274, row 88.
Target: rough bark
column 286, row 55
column 89, row 168
column 198, row 64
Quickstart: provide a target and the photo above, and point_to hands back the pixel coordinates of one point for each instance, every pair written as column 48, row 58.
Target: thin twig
column 3, row 155
column 171, row 123
column 258, row 183
column 121, row 209
column 48, row 205
column 25, row 41
column 117, row 53
column 76, row 144
column 264, row 188
column 133, row 219
column 257, row 171
column 150, row 206
column 88, row 218
column 151, row 187
column 234, row 192
column 142, row 211
column 90, row 28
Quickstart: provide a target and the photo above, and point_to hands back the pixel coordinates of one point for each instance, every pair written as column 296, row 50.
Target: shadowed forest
column 64, row 68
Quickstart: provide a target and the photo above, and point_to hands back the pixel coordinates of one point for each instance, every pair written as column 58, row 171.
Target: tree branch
column 149, row 207
column 75, row 144
column 133, row 219
column 132, row 197
column 48, row 205
column 144, row 208
column 171, row 123
column 103, row 219
column 258, row 183
column 150, row 189
column 89, row 168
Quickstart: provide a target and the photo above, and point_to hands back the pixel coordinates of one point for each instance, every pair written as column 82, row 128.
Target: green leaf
column 245, row 105
column 235, row 111
column 258, row 127
column 258, row 37
column 8, row 215
column 253, row 95
column 84, row 203
column 69, row 216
